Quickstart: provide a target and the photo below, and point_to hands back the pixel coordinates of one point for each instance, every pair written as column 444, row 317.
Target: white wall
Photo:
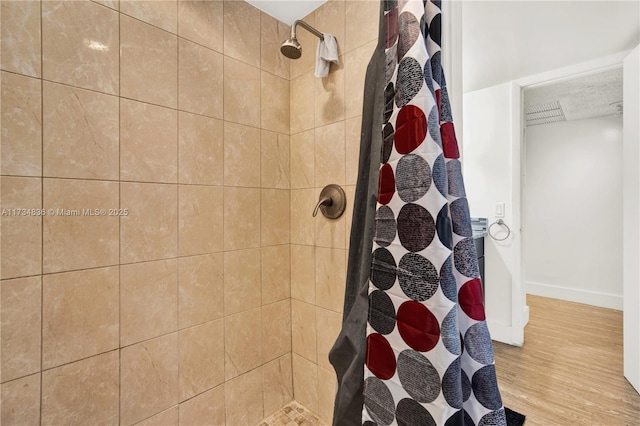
column 631, row 219
column 572, row 229
column 489, row 133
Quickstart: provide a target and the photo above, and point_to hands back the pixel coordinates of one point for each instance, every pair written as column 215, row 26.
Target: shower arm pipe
column 307, row 27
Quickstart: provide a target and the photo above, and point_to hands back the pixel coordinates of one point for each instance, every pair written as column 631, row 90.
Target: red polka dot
column 418, row 327
column 391, row 27
column 449, row 141
column 386, row 184
column 411, row 129
column 381, row 360
column 470, row 299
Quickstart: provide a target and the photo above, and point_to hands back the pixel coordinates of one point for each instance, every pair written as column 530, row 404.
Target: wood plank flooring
column 569, row 371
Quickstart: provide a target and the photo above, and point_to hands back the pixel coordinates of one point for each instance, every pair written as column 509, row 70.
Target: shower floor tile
column 292, row 414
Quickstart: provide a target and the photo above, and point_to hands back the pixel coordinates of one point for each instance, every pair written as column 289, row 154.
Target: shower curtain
column 414, row 348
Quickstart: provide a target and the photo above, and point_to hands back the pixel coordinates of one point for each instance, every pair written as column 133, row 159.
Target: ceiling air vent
column 549, row 112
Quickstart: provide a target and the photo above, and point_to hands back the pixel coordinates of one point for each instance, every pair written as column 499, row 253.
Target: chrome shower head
column 291, row 48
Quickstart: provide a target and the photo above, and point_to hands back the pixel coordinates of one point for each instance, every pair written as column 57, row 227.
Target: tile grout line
column 315, row 240
column 224, row 252
column 193, row 41
column 112, row 265
column 119, row 217
column 177, row 262
column 42, row 206
column 290, row 178
column 86, row 89
column 260, row 225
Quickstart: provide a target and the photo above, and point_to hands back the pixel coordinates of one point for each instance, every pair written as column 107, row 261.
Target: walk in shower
column 160, row 165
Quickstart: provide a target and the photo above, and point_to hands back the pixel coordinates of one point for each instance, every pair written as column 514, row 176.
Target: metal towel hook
column 501, row 223
column 332, row 202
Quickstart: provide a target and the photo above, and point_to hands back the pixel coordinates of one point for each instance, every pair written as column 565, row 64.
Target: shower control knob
column 332, row 202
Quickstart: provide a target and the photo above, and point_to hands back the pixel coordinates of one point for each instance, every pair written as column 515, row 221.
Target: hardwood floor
column 569, row 371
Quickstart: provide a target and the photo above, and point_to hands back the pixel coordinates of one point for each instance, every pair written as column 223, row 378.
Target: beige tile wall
column 217, row 298
column 178, row 312
column 325, row 137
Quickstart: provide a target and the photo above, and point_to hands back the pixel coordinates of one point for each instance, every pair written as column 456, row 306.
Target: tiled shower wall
column 172, row 305
column 326, row 115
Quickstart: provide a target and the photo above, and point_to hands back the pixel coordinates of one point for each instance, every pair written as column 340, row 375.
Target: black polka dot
column 390, row 4
column 409, row 81
column 387, row 142
column 409, row 30
column 457, row 419
column 439, row 175
column 413, row 177
column 382, row 314
column 466, row 385
column 378, row 401
column 465, row 258
column 434, row 29
column 389, row 94
column 451, row 388
column 485, row 387
column 443, row 225
column 460, row 217
column 416, row 227
column 494, row 418
column 449, row 332
column 411, row 413
column 418, row 277
column 385, row 231
column 383, row 269
column 477, row 340
column 418, row 376
column 456, row 184
column 448, row 281
column 468, row 421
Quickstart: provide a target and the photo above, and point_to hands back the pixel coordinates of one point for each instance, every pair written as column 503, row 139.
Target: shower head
column 291, row 48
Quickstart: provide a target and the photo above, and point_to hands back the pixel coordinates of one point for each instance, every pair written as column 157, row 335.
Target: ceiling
column 583, row 97
column 507, row 40
column 287, row 11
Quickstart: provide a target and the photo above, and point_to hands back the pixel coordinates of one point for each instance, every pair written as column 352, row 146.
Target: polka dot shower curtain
column 414, row 348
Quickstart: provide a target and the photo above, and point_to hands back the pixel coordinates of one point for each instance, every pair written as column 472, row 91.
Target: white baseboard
column 500, row 332
column 594, row 298
column 525, row 316
column 504, row 333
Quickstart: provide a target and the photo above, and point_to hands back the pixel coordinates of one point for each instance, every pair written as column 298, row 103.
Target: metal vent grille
column 549, row 112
